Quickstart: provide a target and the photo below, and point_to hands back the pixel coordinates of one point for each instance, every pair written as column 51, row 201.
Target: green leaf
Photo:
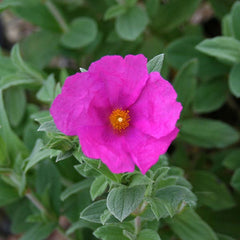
column 48, row 179
column 47, row 47
column 38, row 154
column 235, row 181
column 158, row 208
column 105, row 217
column 139, row 179
column 222, row 7
column 114, row 11
column 231, row 161
column 37, row 13
column 173, row 13
column 122, row 201
column 132, row 23
column 75, row 188
column 85, row 170
column 13, row 144
column 93, row 212
column 49, row 126
column 188, row 226
column 8, row 3
column 227, row 29
column 63, row 75
column 226, row 49
column 20, row 210
column 234, row 82
column 39, row 231
column 152, row 7
column 182, row 50
column 164, row 182
column 98, row 187
column 22, row 66
column 17, row 79
column 185, row 82
column 208, row 133
column 161, row 172
column 173, row 196
column 7, row 194
column 107, row 233
column 97, row 165
column 130, row 3
column 41, row 116
column 63, row 155
column 15, row 102
column 83, row 70
column 155, row 64
column 235, row 13
column 148, row 234
column 81, row 224
column 47, row 92
column 129, row 235
column 210, row 96
column 3, row 155
column 6, row 66
column 82, row 32
column 224, row 237
column 211, row 191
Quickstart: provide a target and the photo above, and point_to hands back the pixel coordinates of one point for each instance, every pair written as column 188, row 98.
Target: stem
column 57, row 15
column 36, row 203
column 121, row 2
column 43, row 210
column 137, row 224
column 137, row 220
column 61, row 231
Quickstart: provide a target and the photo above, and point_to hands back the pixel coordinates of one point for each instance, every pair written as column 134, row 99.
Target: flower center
column 119, row 119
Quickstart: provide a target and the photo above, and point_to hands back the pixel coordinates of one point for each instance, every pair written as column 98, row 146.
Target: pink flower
column 122, row 114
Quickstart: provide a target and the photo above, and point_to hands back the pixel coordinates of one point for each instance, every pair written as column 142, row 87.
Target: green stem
column 62, row 232
column 121, row 2
column 57, row 15
column 36, row 203
column 43, row 210
column 137, row 224
column 137, row 220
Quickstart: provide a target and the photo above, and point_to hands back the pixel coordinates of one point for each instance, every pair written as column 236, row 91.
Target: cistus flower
column 122, row 114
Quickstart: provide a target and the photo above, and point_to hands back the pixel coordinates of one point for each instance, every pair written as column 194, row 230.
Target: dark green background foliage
column 193, row 192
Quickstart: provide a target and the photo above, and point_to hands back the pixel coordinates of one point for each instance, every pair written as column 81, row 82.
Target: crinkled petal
column 77, row 93
column 102, row 143
column 145, row 150
column 123, row 78
column 156, row 111
column 65, row 113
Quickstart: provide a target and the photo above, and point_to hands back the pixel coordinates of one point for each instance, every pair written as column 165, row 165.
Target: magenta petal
column 145, row 150
column 102, row 143
column 123, row 79
column 156, row 111
column 67, row 107
column 65, row 113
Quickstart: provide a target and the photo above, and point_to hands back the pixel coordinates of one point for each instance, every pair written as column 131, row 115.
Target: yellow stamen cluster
column 119, row 119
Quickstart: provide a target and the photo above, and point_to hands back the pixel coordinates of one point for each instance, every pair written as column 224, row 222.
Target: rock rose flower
column 122, row 114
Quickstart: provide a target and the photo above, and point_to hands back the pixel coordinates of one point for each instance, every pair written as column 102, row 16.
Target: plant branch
column 43, row 210
column 62, row 232
column 137, row 224
column 137, row 220
column 36, row 202
column 57, row 15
